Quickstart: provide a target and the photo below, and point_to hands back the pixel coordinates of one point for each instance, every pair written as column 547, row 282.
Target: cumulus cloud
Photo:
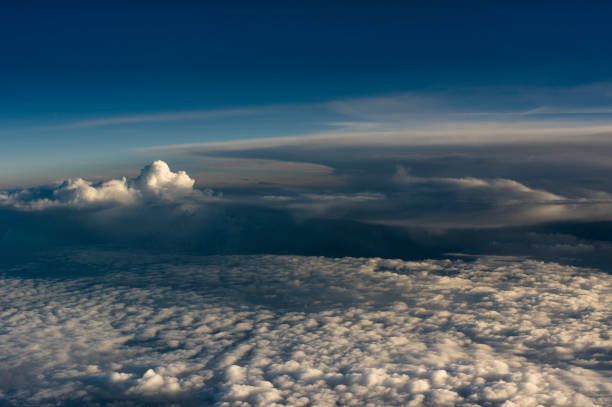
column 156, row 181
column 381, row 209
column 442, row 202
column 401, row 199
column 159, row 180
column 454, row 186
column 471, row 202
column 500, row 189
column 270, row 330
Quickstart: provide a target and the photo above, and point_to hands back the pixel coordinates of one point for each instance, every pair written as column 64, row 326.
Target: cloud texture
column 269, row 330
column 426, row 203
column 155, row 182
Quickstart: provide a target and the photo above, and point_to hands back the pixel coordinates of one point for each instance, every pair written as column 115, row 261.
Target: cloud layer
column 267, row 330
column 426, row 203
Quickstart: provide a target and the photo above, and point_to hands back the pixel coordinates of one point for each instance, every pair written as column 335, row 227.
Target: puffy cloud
column 156, row 181
column 470, row 202
column 79, row 192
column 402, row 200
column 501, row 190
column 450, row 185
column 445, row 203
column 391, row 214
column 270, row 330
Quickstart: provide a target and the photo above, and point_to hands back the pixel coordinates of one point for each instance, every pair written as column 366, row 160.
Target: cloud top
column 157, row 179
column 155, row 182
column 500, row 189
column 296, row 331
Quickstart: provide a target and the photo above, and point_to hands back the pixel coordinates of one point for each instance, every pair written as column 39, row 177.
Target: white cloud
column 506, row 190
column 78, row 192
column 436, row 134
column 469, row 116
column 484, row 203
column 156, row 181
column 270, row 330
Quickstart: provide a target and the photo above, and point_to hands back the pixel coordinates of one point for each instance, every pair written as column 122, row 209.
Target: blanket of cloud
column 98, row 327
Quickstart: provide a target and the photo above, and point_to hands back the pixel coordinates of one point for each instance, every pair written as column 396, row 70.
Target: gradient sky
column 86, row 86
column 305, row 203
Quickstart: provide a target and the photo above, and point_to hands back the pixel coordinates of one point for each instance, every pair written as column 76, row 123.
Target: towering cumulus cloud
column 156, row 181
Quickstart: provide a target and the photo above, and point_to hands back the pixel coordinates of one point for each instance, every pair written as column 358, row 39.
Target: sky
column 86, row 86
column 305, row 203
column 392, row 130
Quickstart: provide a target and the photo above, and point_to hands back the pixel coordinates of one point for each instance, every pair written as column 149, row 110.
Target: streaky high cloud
column 453, row 133
column 162, row 117
column 463, row 116
column 481, row 104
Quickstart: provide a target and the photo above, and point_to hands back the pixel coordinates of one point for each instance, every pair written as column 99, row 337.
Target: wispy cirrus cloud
column 568, row 110
column 404, row 110
column 437, row 134
column 491, row 102
column 163, row 117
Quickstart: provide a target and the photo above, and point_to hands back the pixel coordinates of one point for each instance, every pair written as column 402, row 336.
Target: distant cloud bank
column 405, row 199
column 408, row 203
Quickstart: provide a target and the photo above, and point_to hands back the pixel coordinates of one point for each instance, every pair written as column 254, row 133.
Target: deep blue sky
column 67, row 62
column 375, row 115
column 78, row 56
